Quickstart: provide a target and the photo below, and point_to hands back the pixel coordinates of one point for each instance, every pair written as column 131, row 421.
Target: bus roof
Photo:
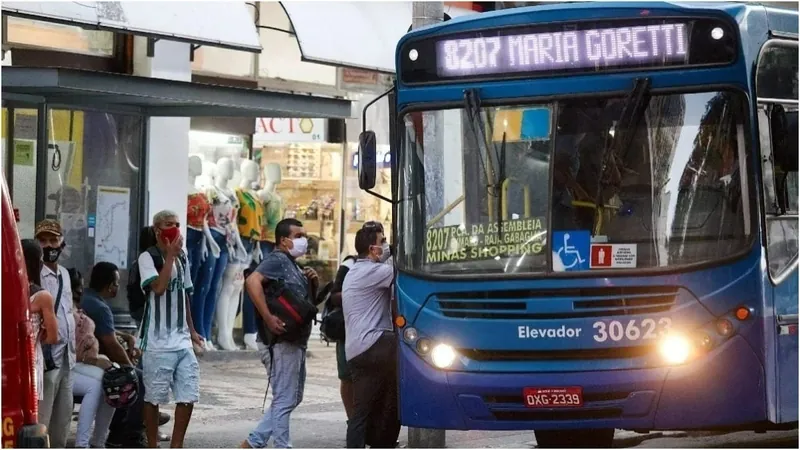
column 781, row 21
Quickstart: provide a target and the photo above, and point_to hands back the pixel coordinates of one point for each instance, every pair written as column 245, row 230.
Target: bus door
column 776, row 88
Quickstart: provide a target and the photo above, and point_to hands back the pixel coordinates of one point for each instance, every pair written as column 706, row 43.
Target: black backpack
column 295, row 312
column 332, row 325
column 137, row 298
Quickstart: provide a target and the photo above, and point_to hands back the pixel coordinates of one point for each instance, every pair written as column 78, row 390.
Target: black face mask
column 51, row 254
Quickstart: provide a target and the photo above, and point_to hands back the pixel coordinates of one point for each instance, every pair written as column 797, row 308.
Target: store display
column 249, row 219
column 224, row 209
column 271, row 208
column 303, row 162
column 198, row 235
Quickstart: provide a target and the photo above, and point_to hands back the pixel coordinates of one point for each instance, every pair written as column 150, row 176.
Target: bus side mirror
column 367, row 160
column 783, row 129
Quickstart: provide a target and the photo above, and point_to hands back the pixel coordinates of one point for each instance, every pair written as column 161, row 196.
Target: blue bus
column 596, row 220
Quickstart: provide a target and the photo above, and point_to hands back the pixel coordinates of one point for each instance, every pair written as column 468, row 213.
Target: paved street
column 233, row 394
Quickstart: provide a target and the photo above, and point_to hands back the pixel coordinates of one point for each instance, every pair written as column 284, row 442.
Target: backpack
column 332, row 326
column 137, row 297
column 295, row 312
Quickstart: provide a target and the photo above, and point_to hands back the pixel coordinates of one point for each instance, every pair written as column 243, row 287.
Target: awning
column 362, row 35
column 192, row 22
column 159, row 97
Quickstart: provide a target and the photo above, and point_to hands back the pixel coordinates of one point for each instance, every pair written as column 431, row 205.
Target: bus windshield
column 545, row 187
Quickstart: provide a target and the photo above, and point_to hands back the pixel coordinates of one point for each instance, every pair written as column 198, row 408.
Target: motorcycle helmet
column 121, row 386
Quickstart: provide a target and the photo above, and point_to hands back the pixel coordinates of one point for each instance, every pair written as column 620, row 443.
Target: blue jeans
column 194, row 247
column 287, row 370
column 176, row 371
column 249, row 315
column 205, row 298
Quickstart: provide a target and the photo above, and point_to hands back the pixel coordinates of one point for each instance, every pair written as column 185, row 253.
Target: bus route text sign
column 492, row 240
column 578, row 49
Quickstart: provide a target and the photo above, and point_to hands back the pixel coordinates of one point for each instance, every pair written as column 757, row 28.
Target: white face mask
column 386, row 252
column 299, row 246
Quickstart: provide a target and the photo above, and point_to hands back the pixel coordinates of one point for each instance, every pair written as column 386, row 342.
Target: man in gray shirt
column 371, row 344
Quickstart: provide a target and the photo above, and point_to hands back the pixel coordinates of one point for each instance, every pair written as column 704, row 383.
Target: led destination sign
column 563, row 50
column 568, row 48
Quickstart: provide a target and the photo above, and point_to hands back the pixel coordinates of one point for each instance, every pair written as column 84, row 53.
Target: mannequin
column 273, row 213
column 249, row 229
column 224, row 209
column 198, row 235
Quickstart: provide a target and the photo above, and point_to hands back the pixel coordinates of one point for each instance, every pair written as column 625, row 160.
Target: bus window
column 776, row 83
column 518, row 175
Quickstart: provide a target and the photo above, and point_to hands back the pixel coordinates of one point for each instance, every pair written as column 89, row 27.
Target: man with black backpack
column 282, row 294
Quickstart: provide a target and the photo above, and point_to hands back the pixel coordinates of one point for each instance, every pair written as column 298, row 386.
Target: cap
column 48, row 226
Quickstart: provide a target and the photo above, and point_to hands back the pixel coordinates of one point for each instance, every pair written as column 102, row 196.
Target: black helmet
column 121, row 386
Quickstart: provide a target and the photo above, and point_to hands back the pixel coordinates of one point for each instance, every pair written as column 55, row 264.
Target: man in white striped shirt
column 167, row 332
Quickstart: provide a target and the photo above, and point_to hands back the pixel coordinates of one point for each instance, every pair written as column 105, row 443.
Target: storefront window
column 310, row 184
column 359, row 205
column 92, row 188
column 55, row 36
column 211, row 147
column 21, row 175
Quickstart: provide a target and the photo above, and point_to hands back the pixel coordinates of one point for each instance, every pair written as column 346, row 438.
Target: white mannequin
column 233, row 278
column 272, row 178
column 206, row 179
column 195, row 170
column 225, row 216
column 271, row 200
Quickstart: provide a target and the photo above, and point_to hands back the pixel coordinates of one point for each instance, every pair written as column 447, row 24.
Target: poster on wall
column 112, row 229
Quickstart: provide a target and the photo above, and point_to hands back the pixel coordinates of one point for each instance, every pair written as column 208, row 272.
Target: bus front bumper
column 724, row 388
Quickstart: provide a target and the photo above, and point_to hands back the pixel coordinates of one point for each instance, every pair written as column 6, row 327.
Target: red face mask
column 170, row 234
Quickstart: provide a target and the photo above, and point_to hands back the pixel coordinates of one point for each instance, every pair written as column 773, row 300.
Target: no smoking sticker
column 613, row 256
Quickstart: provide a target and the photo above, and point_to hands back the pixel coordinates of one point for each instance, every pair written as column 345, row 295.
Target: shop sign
column 355, row 76
column 289, row 130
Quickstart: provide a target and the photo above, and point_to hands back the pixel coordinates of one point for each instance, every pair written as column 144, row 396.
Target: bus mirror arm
column 375, row 194
column 367, row 152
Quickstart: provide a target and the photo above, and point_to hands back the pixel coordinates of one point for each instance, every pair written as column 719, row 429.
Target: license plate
column 555, row 397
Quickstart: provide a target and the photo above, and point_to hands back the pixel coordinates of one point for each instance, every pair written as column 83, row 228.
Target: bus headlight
column 675, row 349
column 443, row 356
column 410, row 335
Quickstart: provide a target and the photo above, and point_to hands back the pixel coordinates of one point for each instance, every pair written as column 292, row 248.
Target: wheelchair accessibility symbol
column 571, row 250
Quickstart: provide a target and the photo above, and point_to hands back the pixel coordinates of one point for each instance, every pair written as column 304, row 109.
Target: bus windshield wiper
column 632, row 113
column 495, row 178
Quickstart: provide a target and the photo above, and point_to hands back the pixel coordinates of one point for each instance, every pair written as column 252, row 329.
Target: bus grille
column 572, row 303
column 558, row 355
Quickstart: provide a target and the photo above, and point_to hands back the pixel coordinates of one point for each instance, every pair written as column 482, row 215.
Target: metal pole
column 427, row 13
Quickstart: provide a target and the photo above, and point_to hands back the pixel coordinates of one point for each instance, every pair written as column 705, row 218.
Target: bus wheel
column 598, row 438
